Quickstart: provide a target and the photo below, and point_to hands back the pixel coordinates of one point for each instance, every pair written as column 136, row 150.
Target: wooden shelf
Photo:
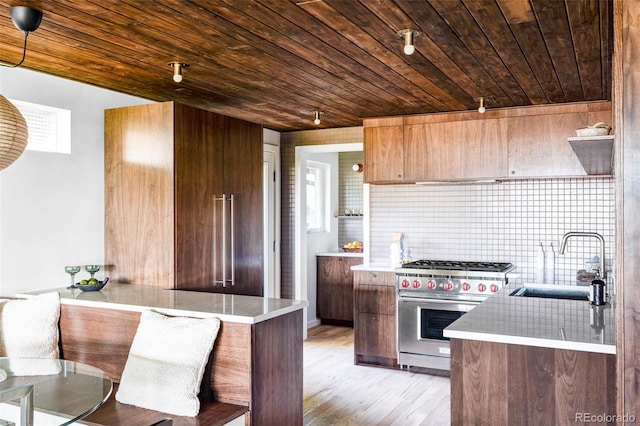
column 594, row 152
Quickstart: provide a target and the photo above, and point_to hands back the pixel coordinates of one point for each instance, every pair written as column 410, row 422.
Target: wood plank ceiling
column 276, row 61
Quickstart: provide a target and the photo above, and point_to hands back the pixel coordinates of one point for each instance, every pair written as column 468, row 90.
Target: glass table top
column 63, row 391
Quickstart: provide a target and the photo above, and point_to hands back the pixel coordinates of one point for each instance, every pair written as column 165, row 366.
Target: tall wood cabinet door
column 199, row 143
column 538, row 145
column 139, row 194
column 383, row 154
column 468, row 149
column 243, row 164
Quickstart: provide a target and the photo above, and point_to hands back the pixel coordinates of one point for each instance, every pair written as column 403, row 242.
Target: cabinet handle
column 223, row 256
column 216, row 257
column 233, row 238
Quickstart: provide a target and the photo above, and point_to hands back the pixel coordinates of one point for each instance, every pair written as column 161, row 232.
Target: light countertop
column 340, row 253
column 535, row 321
column 227, row 307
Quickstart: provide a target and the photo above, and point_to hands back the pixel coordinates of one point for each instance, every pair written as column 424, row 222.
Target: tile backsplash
column 500, row 222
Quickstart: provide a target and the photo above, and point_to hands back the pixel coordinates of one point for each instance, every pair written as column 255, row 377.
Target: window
column 49, row 127
column 317, row 197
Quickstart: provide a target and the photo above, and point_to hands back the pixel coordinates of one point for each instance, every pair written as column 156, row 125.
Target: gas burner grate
column 453, row 265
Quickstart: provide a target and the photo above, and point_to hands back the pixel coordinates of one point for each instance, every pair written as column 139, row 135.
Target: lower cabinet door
column 375, row 335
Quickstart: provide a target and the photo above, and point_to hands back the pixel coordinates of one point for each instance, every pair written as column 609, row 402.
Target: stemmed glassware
column 92, row 269
column 72, row 270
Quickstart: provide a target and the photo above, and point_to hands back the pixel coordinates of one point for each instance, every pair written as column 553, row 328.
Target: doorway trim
column 271, row 187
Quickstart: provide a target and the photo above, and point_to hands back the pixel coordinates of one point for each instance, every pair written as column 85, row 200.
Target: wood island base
column 497, row 383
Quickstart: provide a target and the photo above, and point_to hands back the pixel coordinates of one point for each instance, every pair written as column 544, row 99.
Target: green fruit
column 84, row 282
column 93, row 281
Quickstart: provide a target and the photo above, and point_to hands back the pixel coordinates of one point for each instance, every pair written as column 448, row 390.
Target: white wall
column 52, row 205
column 322, row 242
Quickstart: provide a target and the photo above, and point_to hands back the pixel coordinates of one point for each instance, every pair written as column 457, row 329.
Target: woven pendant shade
column 13, row 133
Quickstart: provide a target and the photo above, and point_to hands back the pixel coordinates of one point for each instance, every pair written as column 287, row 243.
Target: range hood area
column 594, row 152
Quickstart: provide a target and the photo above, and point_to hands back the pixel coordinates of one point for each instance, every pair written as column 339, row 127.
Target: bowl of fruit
column 92, row 284
column 353, row 247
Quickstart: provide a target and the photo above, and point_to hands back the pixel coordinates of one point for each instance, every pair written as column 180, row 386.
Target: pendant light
column 14, row 133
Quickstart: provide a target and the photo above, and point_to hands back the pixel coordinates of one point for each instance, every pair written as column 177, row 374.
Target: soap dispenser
column 550, row 266
column 539, row 266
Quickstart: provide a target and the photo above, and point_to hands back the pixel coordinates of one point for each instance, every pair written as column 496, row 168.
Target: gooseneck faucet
column 565, row 238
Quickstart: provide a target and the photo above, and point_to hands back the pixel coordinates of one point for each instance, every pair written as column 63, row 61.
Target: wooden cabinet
column 375, row 318
column 456, row 150
column 507, row 143
column 164, row 165
column 384, row 151
column 499, row 384
column 538, row 144
column 335, row 289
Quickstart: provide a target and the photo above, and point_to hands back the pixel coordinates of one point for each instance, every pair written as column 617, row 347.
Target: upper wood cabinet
column 384, row 151
column 538, row 145
column 165, row 166
column 516, row 143
column 441, row 151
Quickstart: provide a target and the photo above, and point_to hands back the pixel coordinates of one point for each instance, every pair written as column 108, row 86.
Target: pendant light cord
column 24, row 54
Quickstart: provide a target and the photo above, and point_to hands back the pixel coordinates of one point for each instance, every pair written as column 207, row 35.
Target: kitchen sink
column 552, row 292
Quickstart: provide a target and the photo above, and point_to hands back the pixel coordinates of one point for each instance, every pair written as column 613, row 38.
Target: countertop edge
column 242, row 319
column 530, row 341
column 340, row 254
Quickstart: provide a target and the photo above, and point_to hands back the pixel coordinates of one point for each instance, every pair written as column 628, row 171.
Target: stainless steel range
column 431, row 294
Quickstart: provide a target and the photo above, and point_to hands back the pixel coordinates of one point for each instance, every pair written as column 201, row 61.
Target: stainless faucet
column 565, row 238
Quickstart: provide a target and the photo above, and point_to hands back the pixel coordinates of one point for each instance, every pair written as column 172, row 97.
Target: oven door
column 420, row 330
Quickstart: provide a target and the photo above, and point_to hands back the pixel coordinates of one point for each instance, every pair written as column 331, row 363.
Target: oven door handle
column 441, row 301
column 446, row 305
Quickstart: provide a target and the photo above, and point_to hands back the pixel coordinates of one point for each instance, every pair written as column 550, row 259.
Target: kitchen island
column 257, row 354
column 532, row 360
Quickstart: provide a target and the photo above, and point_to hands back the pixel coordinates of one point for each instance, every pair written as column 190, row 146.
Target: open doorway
column 304, row 258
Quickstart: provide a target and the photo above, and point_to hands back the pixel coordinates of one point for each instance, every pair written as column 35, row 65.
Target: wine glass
column 72, row 270
column 92, row 269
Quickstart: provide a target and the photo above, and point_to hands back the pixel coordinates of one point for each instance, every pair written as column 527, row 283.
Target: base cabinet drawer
column 376, row 335
column 375, row 299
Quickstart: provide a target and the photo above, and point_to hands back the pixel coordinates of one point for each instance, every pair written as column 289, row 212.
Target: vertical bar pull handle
column 232, row 218
column 217, row 257
column 224, row 240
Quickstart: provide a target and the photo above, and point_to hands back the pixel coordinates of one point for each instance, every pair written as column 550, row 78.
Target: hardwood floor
column 337, row 392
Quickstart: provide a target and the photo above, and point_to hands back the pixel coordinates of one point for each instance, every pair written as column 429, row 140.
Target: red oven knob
column 494, row 288
column 466, row 286
column 447, row 286
column 431, row 284
column 482, row 287
column 404, row 283
column 416, row 284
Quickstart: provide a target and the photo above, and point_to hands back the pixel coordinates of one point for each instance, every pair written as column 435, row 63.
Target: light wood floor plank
column 337, row 392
